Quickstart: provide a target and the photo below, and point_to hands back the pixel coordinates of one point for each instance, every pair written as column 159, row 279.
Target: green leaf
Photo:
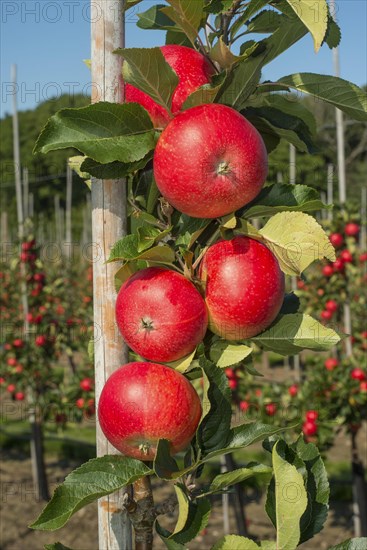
column 106, row 132
column 75, row 164
column 178, row 37
column 187, row 14
column 192, row 518
column 245, row 435
column 189, row 229
column 214, row 426
column 290, row 501
column 155, row 19
column 315, row 16
column 286, row 126
column 205, row 94
column 147, row 69
column 94, row 479
column 291, row 304
column 224, row 354
column 129, row 248
column 290, row 30
column 124, row 273
column 56, row 546
column 317, row 486
column 181, row 365
column 297, row 240
column 241, row 82
column 336, row 91
column 114, row 170
column 282, row 198
column 265, row 22
column 351, row 544
column 227, row 479
column 164, row 464
column 235, row 542
column 294, row 332
column 333, row 33
column 251, row 9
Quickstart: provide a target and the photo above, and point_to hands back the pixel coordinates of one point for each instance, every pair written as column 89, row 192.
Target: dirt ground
column 20, row 506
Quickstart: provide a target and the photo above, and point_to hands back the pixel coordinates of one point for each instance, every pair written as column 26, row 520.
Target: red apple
column 336, row 239
column 230, row 373
column 244, row 405
column 161, row 315
column 244, row 287
column 193, row 70
column 144, row 402
column 331, row 363
column 309, row 428
column 11, row 388
column 351, row 229
column 312, row 415
column 41, row 340
column 210, row 161
column 11, row 361
column 2, row 381
column 327, row 270
column 80, row 403
column 331, row 305
column 19, row 396
column 86, row 384
column 270, row 409
column 358, row 374
column 293, row 390
column 363, row 386
column 18, row 343
column 338, row 265
column 363, row 257
column 232, row 383
column 346, row 256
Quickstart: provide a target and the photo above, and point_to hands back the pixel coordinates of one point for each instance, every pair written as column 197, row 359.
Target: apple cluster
column 209, row 161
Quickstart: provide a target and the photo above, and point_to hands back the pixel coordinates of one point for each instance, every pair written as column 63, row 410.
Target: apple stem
column 147, row 324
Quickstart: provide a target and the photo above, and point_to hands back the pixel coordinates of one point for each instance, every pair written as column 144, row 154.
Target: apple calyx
column 147, row 324
column 223, row 168
column 144, row 448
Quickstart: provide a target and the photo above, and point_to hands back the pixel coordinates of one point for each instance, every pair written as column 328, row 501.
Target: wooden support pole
column 69, row 196
column 330, row 189
column 108, row 225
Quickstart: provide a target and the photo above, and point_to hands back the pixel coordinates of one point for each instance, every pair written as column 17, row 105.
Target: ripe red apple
column 363, row 386
column 232, row 383
column 346, row 256
column 309, row 428
column 230, row 373
column 244, row 405
column 293, row 390
column 363, row 257
column 312, row 415
column 338, row 265
column 80, row 403
column 210, row 161
column 193, row 70
column 11, row 388
column 144, row 402
column 270, row 409
column 160, row 314
column 327, row 270
column 331, row 305
column 326, row 315
column 336, row 239
column 19, row 396
column 11, row 361
column 351, row 229
column 358, row 374
column 86, row 384
column 331, row 363
column 41, row 340
column 2, row 381
column 244, row 287
column 18, row 343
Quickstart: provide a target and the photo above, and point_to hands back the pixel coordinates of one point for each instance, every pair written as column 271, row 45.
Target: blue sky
column 49, row 39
